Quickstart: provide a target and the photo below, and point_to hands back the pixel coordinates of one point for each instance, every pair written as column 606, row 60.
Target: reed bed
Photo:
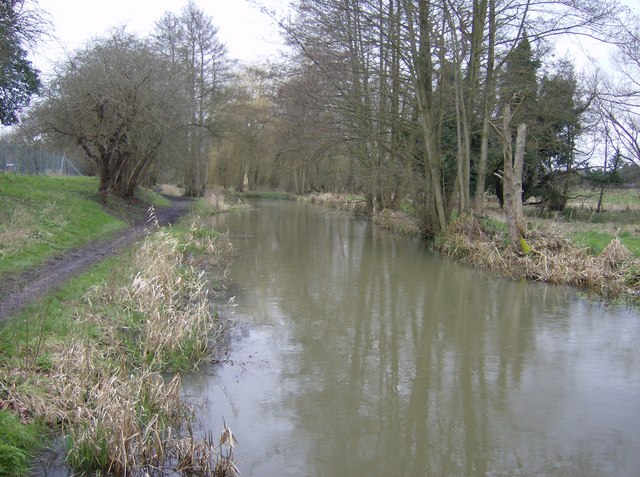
column 611, row 275
column 216, row 200
column 398, row 222
column 349, row 203
column 171, row 189
column 107, row 386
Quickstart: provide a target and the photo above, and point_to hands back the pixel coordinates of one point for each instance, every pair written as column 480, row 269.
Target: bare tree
column 198, row 64
column 619, row 95
column 113, row 100
column 244, row 155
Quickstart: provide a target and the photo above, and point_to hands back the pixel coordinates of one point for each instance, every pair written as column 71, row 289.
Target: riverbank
column 598, row 254
column 99, row 359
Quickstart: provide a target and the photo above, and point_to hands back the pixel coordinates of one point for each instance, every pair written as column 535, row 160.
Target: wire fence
column 26, row 160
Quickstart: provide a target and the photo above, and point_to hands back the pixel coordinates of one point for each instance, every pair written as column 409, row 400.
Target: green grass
column 41, row 216
column 265, row 195
column 18, row 444
column 53, row 316
column 597, row 241
column 612, row 197
column 355, row 198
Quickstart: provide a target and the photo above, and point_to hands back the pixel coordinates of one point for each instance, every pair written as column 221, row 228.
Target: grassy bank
column 598, row 253
column 41, row 216
column 92, row 359
column 612, row 275
column 595, row 252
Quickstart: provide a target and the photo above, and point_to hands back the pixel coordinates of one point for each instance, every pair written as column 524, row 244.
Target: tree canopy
column 114, row 100
column 399, row 100
column 19, row 80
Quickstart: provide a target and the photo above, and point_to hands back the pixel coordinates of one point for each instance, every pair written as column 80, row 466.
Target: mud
column 17, row 291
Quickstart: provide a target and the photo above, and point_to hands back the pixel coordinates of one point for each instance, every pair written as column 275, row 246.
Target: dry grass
column 172, row 295
column 217, row 202
column 397, row 222
column 349, row 203
column 552, row 259
column 205, row 457
column 171, row 189
column 106, row 385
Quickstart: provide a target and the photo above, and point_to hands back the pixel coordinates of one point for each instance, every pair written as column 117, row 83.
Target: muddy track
column 17, row 291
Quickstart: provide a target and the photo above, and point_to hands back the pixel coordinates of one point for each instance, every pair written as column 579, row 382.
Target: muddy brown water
column 358, row 353
column 364, row 354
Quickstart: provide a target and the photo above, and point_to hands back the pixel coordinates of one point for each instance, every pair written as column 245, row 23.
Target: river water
column 358, row 353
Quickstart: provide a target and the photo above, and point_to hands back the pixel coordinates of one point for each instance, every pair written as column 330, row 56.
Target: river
column 358, row 353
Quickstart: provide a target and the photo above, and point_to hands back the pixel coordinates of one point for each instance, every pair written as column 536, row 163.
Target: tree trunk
column 489, row 93
column 512, row 177
column 507, row 175
column 518, row 164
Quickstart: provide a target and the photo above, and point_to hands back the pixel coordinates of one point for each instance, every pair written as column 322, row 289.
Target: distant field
column 613, row 200
column 620, row 217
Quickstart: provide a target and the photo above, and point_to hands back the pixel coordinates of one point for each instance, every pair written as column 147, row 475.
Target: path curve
column 17, row 291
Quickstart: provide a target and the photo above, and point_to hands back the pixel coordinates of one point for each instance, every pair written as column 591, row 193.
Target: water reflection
column 368, row 356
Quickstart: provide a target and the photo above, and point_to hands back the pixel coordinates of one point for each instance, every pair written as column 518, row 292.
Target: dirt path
column 19, row 290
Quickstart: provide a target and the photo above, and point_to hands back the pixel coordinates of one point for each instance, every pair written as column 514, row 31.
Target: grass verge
column 92, row 358
column 612, row 275
column 41, row 216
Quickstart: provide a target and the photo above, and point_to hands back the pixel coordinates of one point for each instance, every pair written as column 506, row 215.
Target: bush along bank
column 547, row 256
column 95, row 364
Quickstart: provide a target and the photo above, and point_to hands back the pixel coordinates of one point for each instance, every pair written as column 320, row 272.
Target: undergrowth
column 16, row 443
column 98, row 366
column 611, row 275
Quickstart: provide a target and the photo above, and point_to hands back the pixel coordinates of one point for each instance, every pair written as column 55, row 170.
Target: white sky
column 248, row 34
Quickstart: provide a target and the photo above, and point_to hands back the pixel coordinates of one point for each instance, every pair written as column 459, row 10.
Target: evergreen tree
column 19, row 80
column 558, row 126
column 518, row 87
column 519, row 83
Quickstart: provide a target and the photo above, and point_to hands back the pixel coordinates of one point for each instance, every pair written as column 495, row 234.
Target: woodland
column 432, row 103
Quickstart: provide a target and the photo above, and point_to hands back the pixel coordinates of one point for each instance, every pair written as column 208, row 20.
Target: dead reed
column 106, row 386
column 217, row 202
column 613, row 274
column 171, row 189
column 397, row 222
column 346, row 202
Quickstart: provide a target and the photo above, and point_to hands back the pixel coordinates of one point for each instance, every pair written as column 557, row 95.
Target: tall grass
column 106, row 384
column 613, row 274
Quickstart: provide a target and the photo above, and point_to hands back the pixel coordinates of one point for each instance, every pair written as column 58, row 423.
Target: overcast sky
column 249, row 34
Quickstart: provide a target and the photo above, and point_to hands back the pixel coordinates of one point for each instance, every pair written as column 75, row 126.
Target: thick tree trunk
column 507, row 175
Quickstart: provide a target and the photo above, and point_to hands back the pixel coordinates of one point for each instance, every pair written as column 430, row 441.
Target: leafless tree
column 113, row 100
column 198, row 64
